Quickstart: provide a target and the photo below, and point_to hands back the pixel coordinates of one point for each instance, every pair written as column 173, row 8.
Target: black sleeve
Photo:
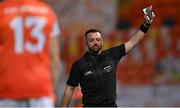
column 117, row 52
column 74, row 75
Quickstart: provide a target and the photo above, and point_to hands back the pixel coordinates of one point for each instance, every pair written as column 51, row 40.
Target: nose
column 95, row 42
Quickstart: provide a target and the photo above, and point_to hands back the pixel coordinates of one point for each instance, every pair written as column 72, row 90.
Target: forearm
column 55, row 69
column 66, row 100
column 134, row 40
column 137, row 37
column 67, row 96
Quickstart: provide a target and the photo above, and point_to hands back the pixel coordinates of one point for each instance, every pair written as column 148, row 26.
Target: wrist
column 145, row 26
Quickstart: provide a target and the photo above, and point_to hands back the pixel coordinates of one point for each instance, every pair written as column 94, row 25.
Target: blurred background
column 147, row 76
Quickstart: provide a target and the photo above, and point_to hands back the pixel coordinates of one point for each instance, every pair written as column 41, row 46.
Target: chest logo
column 88, row 73
column 107, row 68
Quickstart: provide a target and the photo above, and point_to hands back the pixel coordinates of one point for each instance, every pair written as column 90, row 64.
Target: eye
column 98, row 39
column 91, row 40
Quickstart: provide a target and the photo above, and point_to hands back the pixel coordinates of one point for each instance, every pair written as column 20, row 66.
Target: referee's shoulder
column 79, row 61
column 105, row 51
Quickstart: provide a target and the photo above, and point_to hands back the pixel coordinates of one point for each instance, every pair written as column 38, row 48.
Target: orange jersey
column 25, row 29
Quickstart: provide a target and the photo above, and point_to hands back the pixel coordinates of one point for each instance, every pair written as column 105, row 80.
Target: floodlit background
column 147, row 76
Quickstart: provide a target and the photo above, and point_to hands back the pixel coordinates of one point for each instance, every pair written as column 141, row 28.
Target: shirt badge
column 88, row 73
column 107, row 68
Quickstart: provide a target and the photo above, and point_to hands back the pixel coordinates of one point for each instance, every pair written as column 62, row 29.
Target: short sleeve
column 117, row 52
column 74, row 76
column 55, row 29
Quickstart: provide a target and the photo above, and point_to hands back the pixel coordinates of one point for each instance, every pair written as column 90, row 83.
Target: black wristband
column 144, row 27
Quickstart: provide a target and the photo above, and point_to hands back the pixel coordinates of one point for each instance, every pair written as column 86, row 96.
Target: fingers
column 150, row 7
column 153, row 14
column 148, row 14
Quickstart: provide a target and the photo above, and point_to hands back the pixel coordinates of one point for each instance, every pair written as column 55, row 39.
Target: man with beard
column 96, row 70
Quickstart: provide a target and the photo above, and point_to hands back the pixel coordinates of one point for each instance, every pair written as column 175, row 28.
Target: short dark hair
column 91, row 31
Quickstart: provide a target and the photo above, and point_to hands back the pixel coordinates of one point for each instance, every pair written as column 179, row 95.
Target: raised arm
column 138, row 36
column 67, row 96
column 132, row 42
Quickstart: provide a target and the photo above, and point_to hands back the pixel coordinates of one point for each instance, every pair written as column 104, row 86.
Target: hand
column 148, row 14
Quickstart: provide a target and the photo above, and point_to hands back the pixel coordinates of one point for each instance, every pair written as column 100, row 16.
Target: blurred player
column 29, row 53
column 96, row 70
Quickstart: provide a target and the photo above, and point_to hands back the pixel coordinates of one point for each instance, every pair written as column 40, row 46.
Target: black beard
column 94, row 53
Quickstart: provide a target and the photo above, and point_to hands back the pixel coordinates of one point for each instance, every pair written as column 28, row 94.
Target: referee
column 95, row 71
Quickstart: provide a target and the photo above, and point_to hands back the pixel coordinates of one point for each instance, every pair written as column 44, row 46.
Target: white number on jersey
column 18, row 24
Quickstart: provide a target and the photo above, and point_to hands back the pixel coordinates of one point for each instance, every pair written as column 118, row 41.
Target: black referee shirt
column 96, row 75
